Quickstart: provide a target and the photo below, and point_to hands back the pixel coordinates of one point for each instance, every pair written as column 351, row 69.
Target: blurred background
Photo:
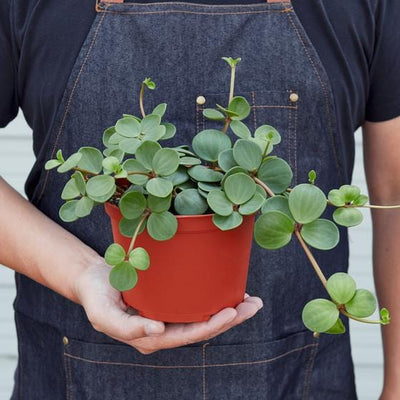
column 16, row 159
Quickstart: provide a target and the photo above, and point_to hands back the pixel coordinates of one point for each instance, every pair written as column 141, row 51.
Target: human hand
column 108, row 313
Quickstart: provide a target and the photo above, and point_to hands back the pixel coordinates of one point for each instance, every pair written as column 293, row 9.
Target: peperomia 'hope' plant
column 151, row 184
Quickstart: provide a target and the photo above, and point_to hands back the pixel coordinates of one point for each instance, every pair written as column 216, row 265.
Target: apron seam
column 204, row 372
column 253, row 98
column 193, row 12
column 308, row 373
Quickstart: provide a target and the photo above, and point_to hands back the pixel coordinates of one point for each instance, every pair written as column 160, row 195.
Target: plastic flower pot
column 192, row 276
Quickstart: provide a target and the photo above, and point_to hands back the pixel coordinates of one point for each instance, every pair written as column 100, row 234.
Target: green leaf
column 162, row 226
column 232, row 171
column 204, row 174
column 70, row 190
column 253, row 205
column 213, row 114
column 67, row 211
column 239, row 188
column 149, row 123
column 100, row 188
column 362, row 305
column 123, row 276
column 385, row 316
column 247, row 154
column 320, row 315
column 232, row 61
column 277, row 203
column 226, row 160
column 321, row 234
column 77, row 176
column 209, row 143
column 341, row 287
column 139, row 258
column 129, row 146
column 52, row 164
column 276, row 174
column 149, row 83
column 260, row 190
column 240, row 106
column 132, row 205
column 267, row 133
column 132, row 166
column 179, row 177
column 59, row 156
column 146, row 152
column 190, row 202
column 312, row 176
column 127, row 227
column 165, row 162
column 229, row 113
column 219, row 203
column 273, row 230
column 156, row 133
column 348, row 217
column 116, row 138
column 337, row 329
column 361, row 200
column 71, row 162
column 207, row 187
column 114, row 254
column 336, row 197
column 84, row 207
column 350, row 192
column 159, row 204
column 306, row 203
column 107, row 135
column 189, row 161
column 240, row 129
column 227, row 223
column 111, row 164
column 160, row 109
column 159, row 187
column 91, row 159
column 170, row 130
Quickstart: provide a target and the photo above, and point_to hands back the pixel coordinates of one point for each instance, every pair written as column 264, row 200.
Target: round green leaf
column 267, row 133
column 219, row 203
column 111, row 164
column 320, row 315
column 114, row 254
column 128, row 127
column 341, row 287
column 240, row 129
column 70, row 190
column 189, row 161
column 348, row 217
column 277, row 203
column 232, row 171
column 139, row 258
column 239, row 188
column 149, row 123
column 209, row 143
column 162, row 226
column 127, row 227
column 70, row 163
column 260, row 190
column 156, row 134
column 350, row 192
column 116, row 138
column 132, row 205
column 213, row 114
column 77, row 176
column 67, row 211
column 190, row 202
column 159, row 187
column 201, row 173
column 165, row 162
column 100, row 188
column 361, row 200
column 240, row 106
column 107, row 135
column 247, row 154
column 91, row 159
column 276, row 174
column 159, row 204
column 135, row 171
column 84, row 207
column 178, row 177
column 321, row 234
column 146, row 152
column 207, row 187
column 123, row 276
column 273, row 230
column 129, row 146
column 336, row 197
column 160, row 109
column 362, row 305
column 170, row 130
column 337, row 329
column 227, row 223
column 253, row 205
column 306, row 203
column 226, row 160
column 52, row 164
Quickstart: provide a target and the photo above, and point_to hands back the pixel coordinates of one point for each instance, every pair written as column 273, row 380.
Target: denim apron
column 180, row 45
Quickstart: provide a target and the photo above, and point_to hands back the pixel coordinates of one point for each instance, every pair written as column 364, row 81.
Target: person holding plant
column 316, row 71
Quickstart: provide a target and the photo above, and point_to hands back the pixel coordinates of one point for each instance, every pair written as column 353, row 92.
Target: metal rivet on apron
column 200, row 100
column 65, row 341
column 316, row 335
column 294, row 97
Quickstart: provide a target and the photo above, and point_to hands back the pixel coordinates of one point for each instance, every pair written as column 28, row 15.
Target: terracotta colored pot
column 192, row 276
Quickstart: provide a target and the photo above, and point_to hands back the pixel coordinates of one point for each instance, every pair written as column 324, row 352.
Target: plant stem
column 313, row 261
column 233, row 70
column 266, row 148
column 378, row 207
column 366, row 321
column 84, row 172
column 227, row 122
column 145, row 215
column 141, row 95
column 139, row 173
column 264, row 186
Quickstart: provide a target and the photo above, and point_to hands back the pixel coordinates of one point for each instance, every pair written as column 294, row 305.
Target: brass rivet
column 294, row 97
column 200, row 100
column 65, row 341
column 316, row 335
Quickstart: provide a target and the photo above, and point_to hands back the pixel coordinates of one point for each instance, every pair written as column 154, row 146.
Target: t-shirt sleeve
column 384, row 93
column 8, row 95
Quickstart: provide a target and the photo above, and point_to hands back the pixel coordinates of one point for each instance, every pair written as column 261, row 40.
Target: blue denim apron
column 180, row 46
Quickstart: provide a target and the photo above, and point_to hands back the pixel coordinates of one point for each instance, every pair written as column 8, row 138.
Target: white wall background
column 16, row 158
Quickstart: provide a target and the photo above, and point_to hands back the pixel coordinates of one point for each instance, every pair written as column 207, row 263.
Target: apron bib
column 180, row 45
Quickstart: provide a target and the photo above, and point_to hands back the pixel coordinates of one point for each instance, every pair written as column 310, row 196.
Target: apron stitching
column 197, row 118
column 266, row 361
column 295, row 145
column 271, row 106
column 290, row 140
column 194, row 12
column 68, row 376
column 253, row 97
column 326, row 96
column 61, row 128
column 204, row 371
column 184, row 3
column 307, row 375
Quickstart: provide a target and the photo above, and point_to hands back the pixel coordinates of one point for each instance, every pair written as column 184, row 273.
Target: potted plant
column 199, row 202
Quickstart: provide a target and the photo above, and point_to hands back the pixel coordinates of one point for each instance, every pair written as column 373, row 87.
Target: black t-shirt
column 357, row 41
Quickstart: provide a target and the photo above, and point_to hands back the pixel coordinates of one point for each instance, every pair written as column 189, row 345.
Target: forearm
column 34, row 245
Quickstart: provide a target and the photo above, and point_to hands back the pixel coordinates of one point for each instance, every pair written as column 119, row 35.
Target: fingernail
column 260, row 305
column 152, row 329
